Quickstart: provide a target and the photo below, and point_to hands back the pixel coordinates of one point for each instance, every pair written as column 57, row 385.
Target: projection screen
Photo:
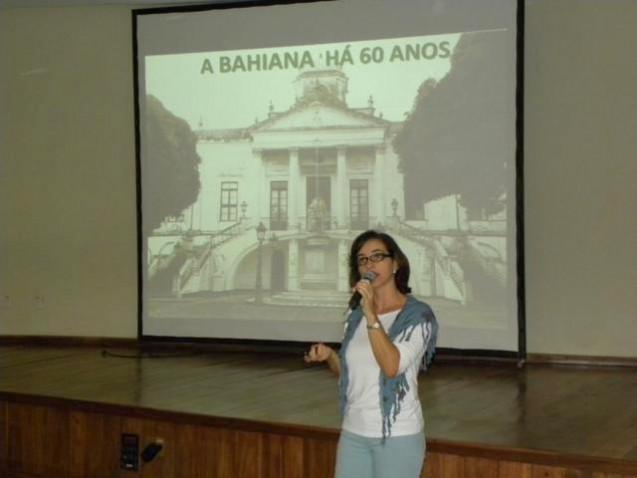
column 270, row 136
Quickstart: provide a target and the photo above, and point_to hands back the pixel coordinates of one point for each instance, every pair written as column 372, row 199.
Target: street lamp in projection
column 394, row 207
column 261, row 230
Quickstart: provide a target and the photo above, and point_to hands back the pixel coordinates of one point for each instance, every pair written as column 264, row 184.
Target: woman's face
column 373, row 256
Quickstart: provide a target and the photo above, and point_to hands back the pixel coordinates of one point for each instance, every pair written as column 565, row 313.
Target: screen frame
column 293, row 346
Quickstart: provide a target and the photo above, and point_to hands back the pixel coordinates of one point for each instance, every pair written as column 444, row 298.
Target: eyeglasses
column 375, row 257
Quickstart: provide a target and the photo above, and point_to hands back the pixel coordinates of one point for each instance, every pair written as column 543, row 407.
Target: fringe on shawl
column 394, row 390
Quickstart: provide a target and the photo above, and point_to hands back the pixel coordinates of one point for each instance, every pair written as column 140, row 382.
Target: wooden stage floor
column 581, row 411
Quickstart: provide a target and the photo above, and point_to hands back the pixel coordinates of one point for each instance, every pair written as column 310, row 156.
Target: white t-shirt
column 363, row 415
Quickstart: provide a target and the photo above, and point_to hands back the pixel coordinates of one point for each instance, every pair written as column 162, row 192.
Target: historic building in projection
column 282, row 199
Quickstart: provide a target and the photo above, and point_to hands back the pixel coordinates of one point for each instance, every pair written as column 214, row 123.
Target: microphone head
column 369, row 276
column 355, row 300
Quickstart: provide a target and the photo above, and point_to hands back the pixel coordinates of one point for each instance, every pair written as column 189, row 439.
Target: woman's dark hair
column 402, row 273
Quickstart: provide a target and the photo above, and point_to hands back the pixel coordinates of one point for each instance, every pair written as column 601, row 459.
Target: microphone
column 368, row 277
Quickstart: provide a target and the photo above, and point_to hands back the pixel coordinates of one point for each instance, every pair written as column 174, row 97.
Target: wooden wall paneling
column 442, row 465
column 511, row 469
column 272, row 455
column 293, row 459
column 282, row 456
column 4, row 439
column 319, row 458
column 225, row 453
column 248, row 455
column 540, row 471
column 54, row 440
column 577, row 473
column 38, row 440
column 95, row 442
column 430, row 463
column 475, row 467
column 15, row 474
column 206, row 452
column 195, row 452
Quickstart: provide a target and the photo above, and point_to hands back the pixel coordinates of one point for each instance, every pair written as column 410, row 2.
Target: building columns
column 294, row 183
column 260, row 196
column 379, row 185
column 341, row 187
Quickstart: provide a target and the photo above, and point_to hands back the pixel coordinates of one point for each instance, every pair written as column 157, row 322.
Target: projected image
column 259, row 167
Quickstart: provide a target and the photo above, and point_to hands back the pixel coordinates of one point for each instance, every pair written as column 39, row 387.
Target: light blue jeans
column 363, row 457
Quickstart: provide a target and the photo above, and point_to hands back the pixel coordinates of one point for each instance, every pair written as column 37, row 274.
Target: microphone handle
column 355, row 300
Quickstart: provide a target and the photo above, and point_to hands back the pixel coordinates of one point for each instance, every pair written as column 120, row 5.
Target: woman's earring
column 395, row 271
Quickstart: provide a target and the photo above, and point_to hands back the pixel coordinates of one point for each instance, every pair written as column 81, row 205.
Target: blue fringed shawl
column 415, row 314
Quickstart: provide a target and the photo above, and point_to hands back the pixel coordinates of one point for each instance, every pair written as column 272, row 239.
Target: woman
column 387, row 339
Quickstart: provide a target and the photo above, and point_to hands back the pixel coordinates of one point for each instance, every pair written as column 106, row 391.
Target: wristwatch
column 375, row 326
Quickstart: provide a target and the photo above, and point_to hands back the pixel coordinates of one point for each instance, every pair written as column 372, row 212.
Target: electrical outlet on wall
column 129, row 454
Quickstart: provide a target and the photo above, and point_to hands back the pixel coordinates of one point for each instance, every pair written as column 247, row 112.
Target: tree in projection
column 454, row 141
column 170, row 164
